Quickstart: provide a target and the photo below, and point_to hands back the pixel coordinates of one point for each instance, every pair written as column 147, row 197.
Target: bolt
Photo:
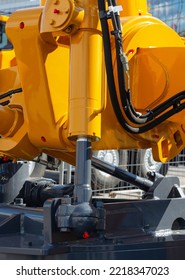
column 161, row 238
column 18, row 201
column 66, row 11
column 51, row 22
column 68, row 29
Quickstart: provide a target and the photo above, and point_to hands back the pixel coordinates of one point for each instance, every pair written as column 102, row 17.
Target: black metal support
column 144, row 229
column 124, row 175
column 79, row 215
column 50, row 230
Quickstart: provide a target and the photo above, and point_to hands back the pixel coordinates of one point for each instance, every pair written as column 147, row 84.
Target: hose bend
column 140, row 122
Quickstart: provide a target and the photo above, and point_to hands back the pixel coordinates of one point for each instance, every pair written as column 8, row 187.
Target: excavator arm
column 109, row 72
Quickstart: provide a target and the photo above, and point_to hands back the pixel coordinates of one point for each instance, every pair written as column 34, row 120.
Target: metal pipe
column 82, row 190
column 124, row 175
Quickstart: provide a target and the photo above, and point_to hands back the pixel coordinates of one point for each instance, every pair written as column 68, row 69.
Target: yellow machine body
column 61, row 71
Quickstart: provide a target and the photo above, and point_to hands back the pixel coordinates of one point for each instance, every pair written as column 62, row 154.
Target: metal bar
column 83, row 191
column 122, row 174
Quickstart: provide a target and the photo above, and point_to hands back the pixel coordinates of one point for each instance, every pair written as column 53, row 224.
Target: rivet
column 66, row 11
column 51, row 22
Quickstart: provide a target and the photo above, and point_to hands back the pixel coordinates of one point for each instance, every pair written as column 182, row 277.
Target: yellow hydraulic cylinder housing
column 59, row 84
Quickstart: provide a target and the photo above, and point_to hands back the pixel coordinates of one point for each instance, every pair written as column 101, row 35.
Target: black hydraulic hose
column 134, row 116
column 5, row 103
column 109, row 68
column 124, row 94
column 10, row 92
column 162, row 118
column 129, row 110
column 152, row 114
column 131, row 114
column 117, row 17
column 172, row 101
column 113, row 94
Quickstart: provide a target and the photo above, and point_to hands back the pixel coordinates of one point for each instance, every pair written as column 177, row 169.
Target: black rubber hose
column 125, row 99
column 129, row 110
column 109, row 68
column 10, row 92
column 112, row 88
